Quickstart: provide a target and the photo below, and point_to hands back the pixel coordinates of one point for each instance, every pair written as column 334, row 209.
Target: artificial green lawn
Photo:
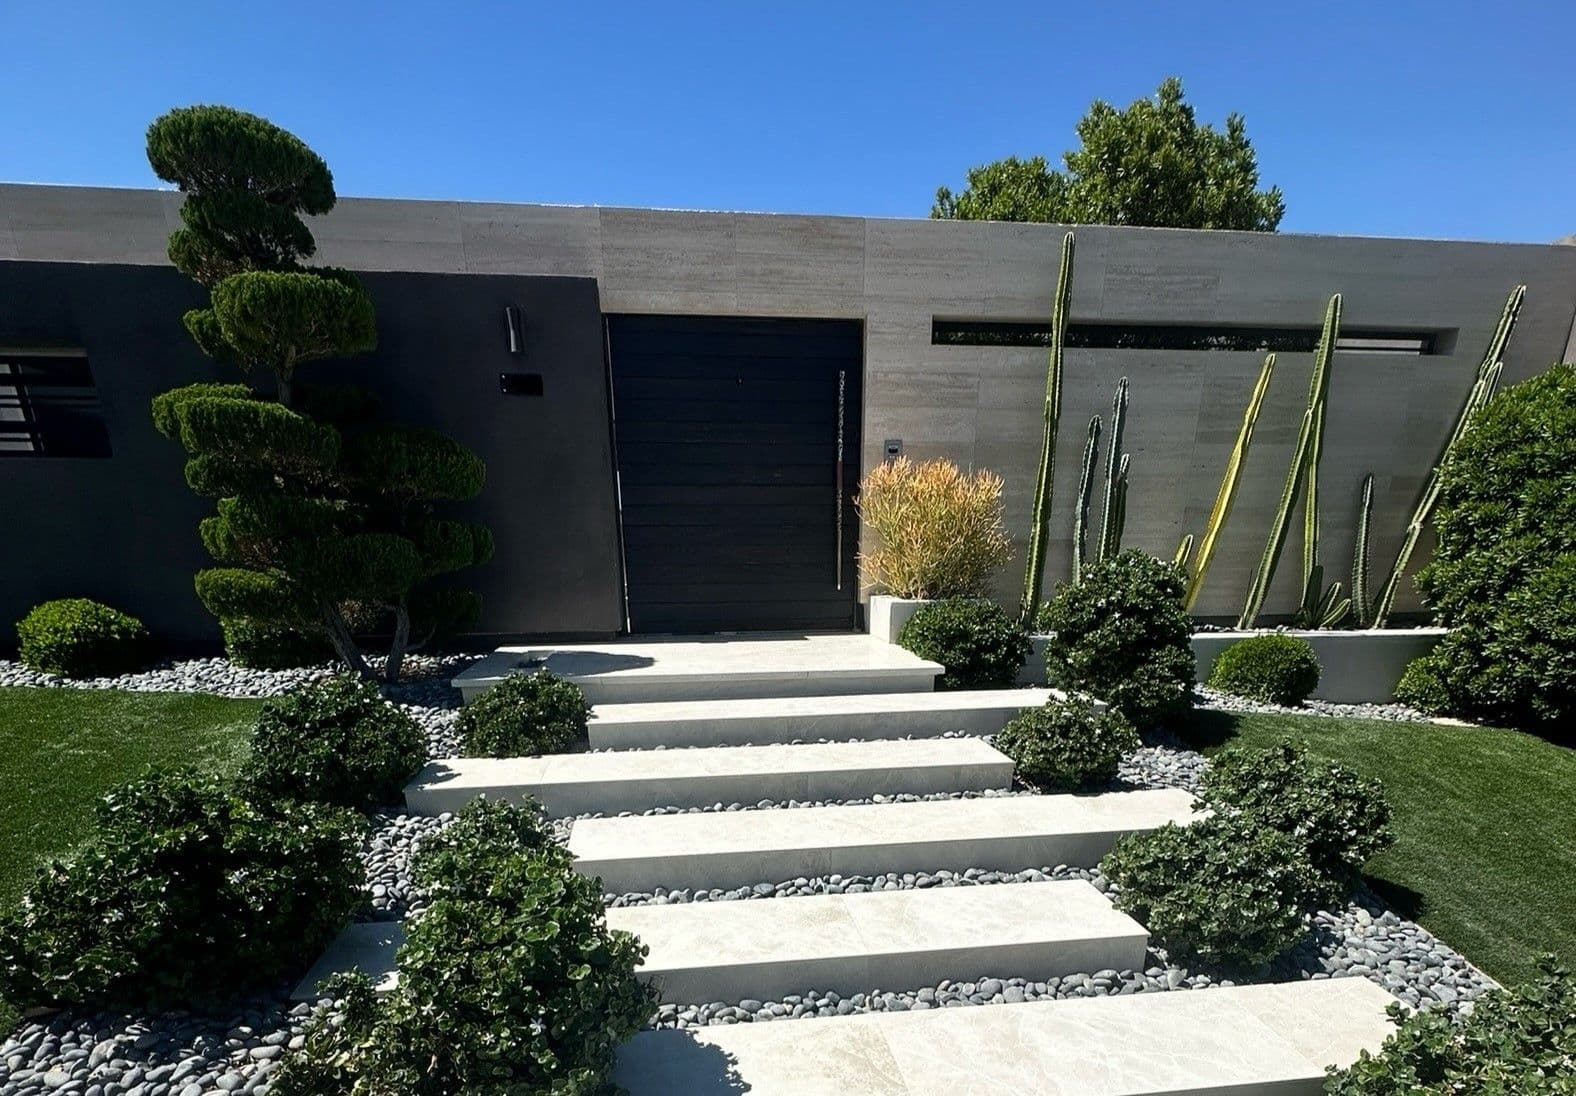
column 1485, row 824
column 61, row 749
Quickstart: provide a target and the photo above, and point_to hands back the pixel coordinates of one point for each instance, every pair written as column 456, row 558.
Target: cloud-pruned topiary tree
column 1150, row 163
column 325, row 521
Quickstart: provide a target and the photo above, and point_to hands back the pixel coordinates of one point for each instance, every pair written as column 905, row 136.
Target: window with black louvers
column 49, row 406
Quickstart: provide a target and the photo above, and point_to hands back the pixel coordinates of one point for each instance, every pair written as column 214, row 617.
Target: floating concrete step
column 728, row 951
column 1271, row 1040
column 367, row 947
column 713, row 668
column 732, row 849
column 758, row 720
column 636, row 780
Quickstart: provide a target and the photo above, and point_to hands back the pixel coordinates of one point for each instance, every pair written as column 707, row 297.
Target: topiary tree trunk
column 324, row 520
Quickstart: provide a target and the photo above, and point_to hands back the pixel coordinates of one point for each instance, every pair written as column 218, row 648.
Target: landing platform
column 640, row 670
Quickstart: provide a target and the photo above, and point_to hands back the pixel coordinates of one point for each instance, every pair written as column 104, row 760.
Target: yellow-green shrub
column 938, row 530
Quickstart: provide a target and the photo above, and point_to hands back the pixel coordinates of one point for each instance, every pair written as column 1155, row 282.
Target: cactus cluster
column 1483, row 386
column 1113, row 513
column 1085, row 486
column 1034, row 572
column 1302, row 473
column 1224, row 498
column 1365, row 511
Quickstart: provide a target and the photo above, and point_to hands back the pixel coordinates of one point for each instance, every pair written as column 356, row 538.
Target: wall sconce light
column 511, row 318
column 520, row 384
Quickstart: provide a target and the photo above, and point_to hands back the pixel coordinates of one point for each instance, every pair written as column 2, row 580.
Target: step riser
column 703, row 791
column 703, row 687
column 861, row 974
column 766, row 729
column 724, row 871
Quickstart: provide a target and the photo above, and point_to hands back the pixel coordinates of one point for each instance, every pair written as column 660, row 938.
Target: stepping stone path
column 710, row 697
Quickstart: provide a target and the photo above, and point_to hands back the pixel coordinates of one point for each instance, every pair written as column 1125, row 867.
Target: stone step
column 737, row 848
column 629, row 671
column 1243, row 1041
column 368, row 947
column 729, row 951
column 761, row 720
column 636, row 780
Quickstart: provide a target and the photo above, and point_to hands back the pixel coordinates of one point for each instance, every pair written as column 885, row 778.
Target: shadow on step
column 674, row 1063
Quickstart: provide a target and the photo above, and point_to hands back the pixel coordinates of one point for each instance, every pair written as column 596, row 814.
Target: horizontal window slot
column 1228, row 337
column 49, row 407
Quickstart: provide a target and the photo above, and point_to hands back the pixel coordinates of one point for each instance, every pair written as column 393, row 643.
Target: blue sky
column 1448, row 119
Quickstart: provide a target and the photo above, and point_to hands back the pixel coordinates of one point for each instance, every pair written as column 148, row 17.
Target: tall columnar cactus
column 1116, row 519
column 1227, row 495
column 1483, row 387
column 1034, row 572
column 1318, row 400
column 1115, row 475
column 1184, row 554
column 1085, row 486
column 1312, row 420
column 1365, row 511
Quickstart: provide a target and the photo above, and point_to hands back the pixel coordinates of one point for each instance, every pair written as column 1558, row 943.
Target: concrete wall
column 980, row 405
column 124, row 530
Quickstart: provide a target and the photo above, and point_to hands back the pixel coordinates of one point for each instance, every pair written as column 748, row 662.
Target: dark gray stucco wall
column 123, row 530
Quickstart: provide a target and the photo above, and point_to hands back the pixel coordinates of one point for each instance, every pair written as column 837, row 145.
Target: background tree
column 324, row 517
column 1149, row 164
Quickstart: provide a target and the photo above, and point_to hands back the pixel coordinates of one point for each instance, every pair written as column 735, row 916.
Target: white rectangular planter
column 1360, row 667
column 888, row 614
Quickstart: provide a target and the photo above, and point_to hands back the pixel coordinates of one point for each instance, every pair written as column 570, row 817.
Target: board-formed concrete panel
column 1272, row 1040
column 635, row 780
column 727, row 951
column 739, row 848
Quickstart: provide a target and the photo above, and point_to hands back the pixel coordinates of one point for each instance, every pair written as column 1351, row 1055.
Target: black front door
column 738, row 456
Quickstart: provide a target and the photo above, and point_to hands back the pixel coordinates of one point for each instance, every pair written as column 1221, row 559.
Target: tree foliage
column 324, row 521
column 1151, row 163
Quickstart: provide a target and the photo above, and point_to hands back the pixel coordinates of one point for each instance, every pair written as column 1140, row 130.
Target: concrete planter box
column 888, row 614
column 1358, row 667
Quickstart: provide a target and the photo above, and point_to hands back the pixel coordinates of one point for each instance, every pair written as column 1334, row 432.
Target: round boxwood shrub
column 979, row 644
column 1342, row 819
column 1224, row 891
column 1067, row 744
column 1120, row 634
column 260, row 645
column 510, row 981
column 1503, row 573
column 524, row 715
column 79, row 637
column 185, row 894
column 1275, row 669
column 1422, row 686
column 336, row 742
column 1519, row 1039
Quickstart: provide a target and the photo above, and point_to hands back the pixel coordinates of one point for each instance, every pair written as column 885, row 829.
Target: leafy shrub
column 524, row 715
column 1342, row 819
column 510, row 981
column 1121, row 634
column 1067, row 744
column 1422, row 685
column 78, row 637
column 264, row 646
column 1503, row 574
column 185, row 893
column 1275, row 669
column 938, row 531
column 1224, row 890
column 336, row 742
column 979, row 644
column 1516, row 1040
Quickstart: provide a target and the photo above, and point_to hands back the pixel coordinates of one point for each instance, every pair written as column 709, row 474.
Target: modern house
column 676, row 407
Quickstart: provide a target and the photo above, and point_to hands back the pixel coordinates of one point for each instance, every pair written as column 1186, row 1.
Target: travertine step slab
column 636, row 780
column 368, row 947
column 732, row 849
column 728, row 951
column 1246, row 1041
column 638, row 670
column 783, row 719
